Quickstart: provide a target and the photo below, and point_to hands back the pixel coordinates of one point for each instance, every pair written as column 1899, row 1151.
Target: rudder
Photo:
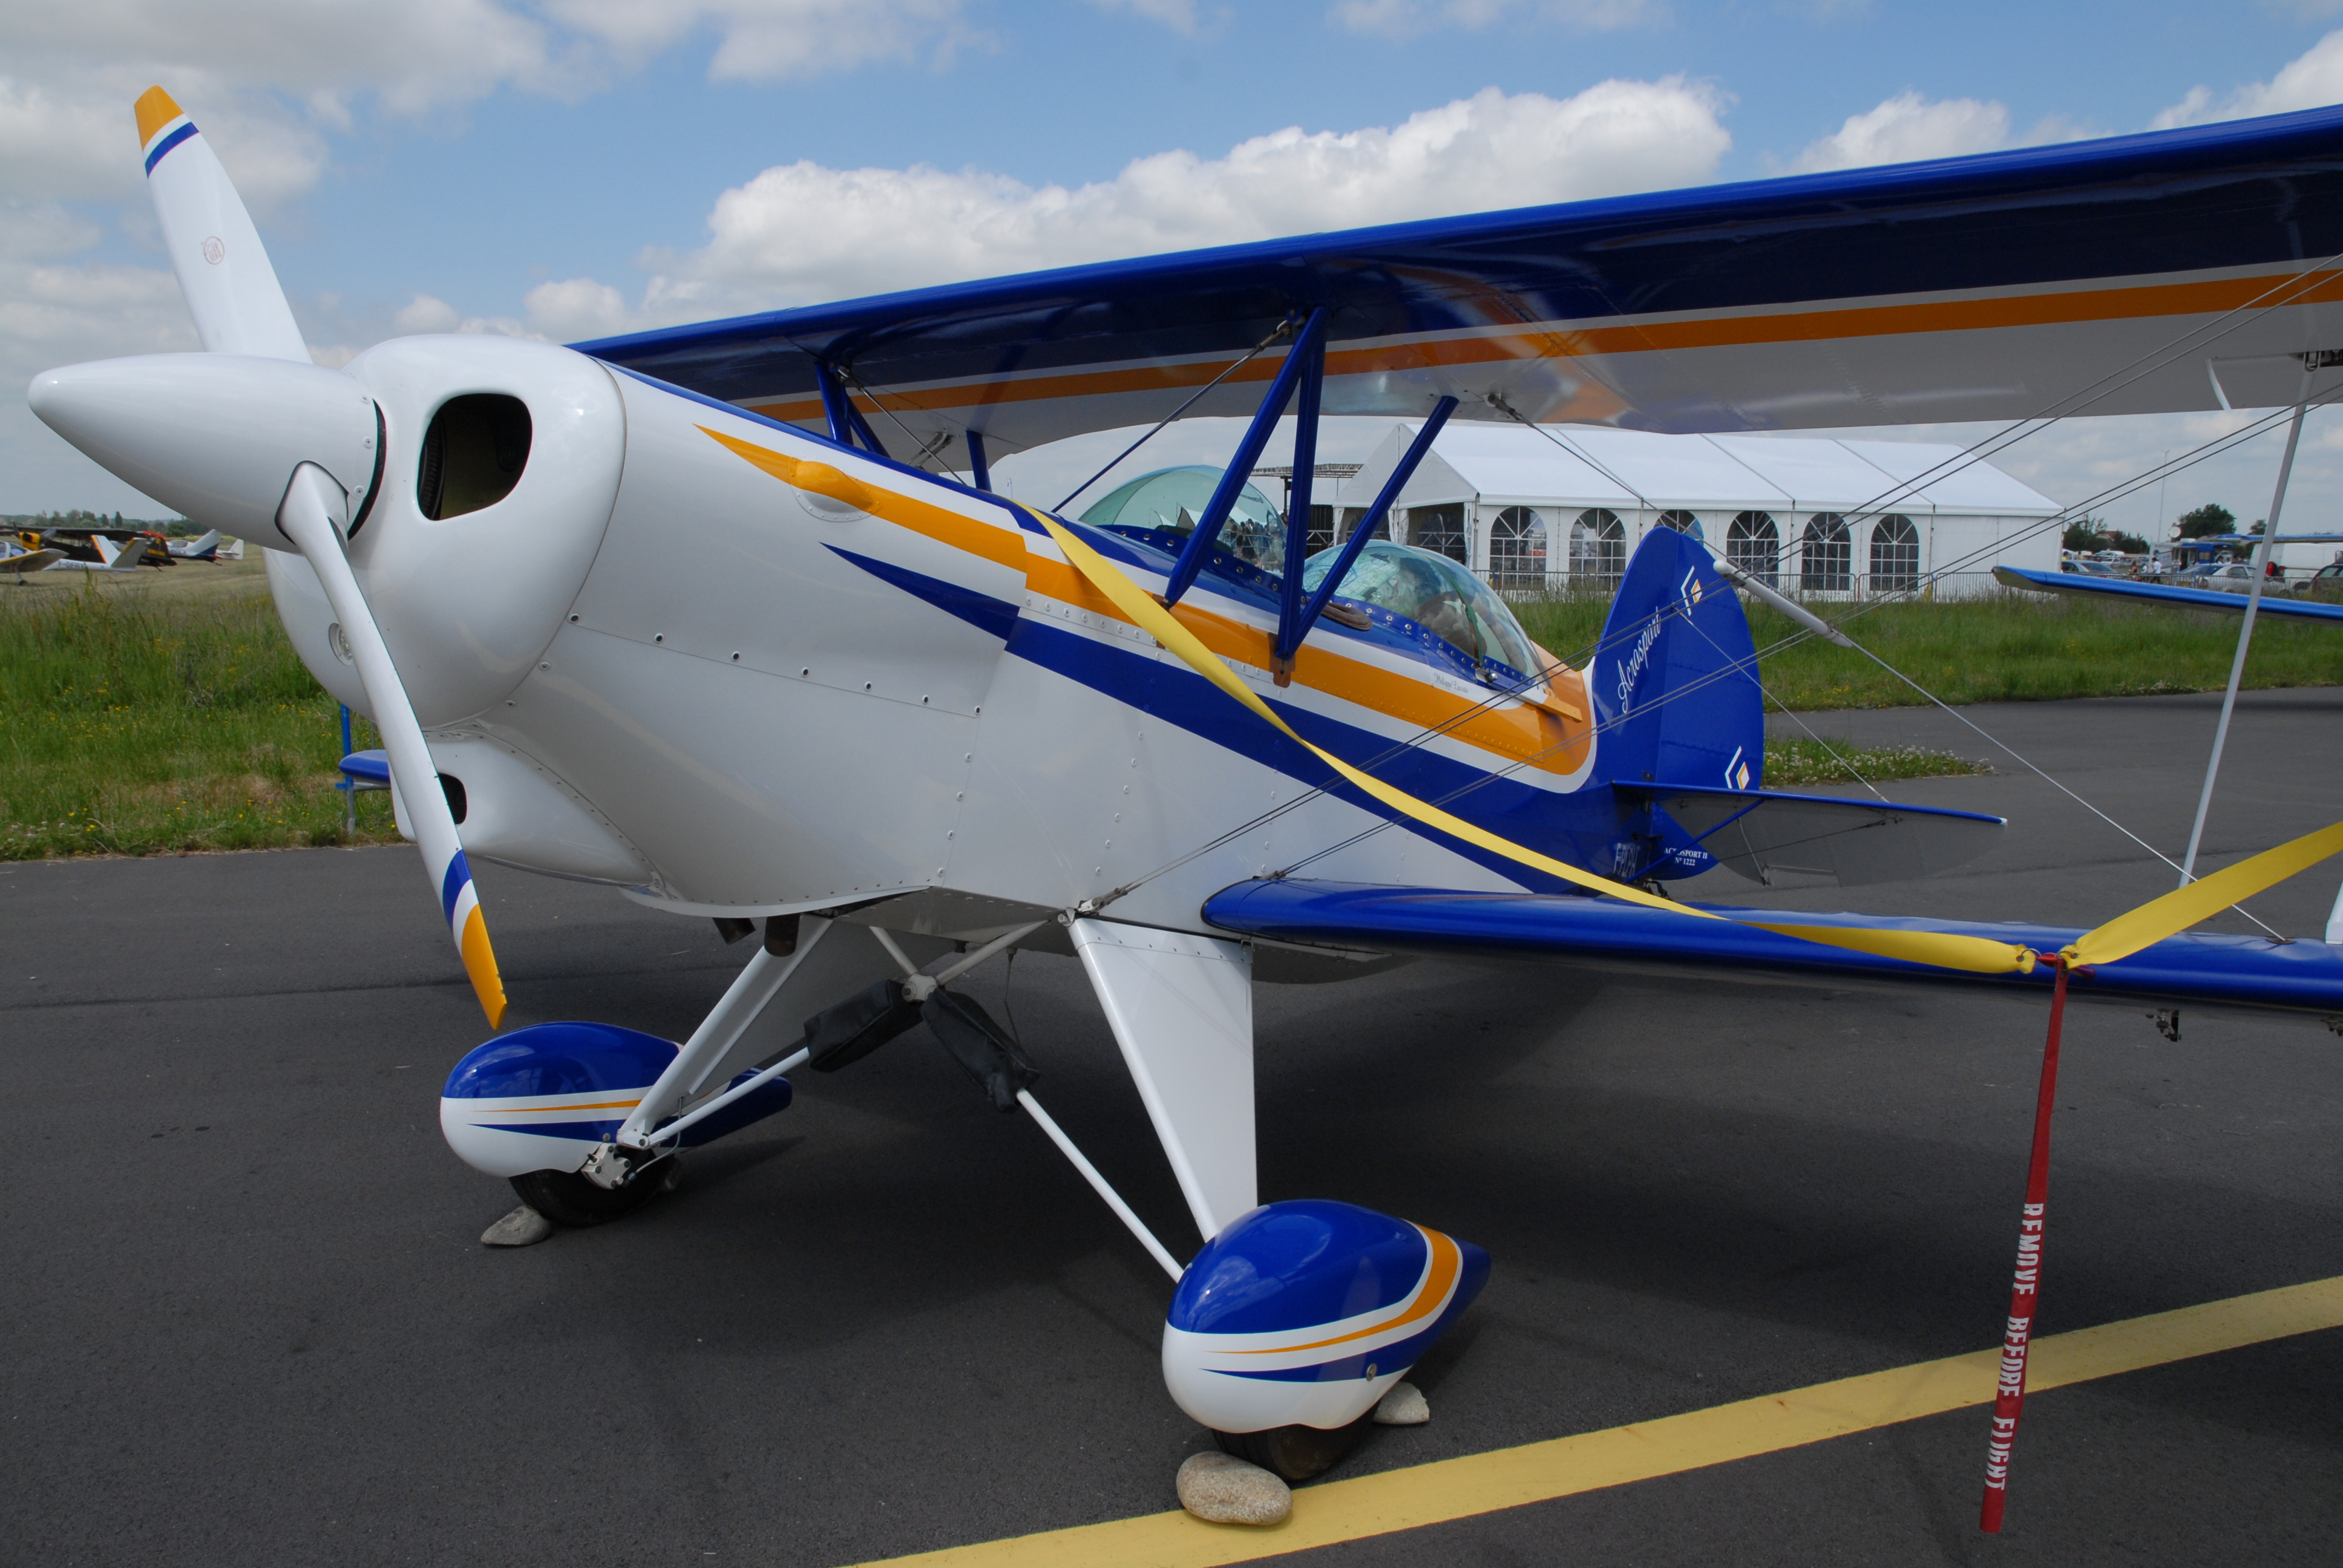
column 1673, row 680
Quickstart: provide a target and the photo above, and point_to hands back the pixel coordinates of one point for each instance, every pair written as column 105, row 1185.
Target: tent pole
column 2245, row 640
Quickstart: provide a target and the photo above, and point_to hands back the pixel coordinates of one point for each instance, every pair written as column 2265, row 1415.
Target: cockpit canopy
column 1435, row 593
column 1170, row 500
column 1449, row 603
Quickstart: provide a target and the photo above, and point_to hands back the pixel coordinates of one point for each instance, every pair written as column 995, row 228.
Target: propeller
column 255, row 439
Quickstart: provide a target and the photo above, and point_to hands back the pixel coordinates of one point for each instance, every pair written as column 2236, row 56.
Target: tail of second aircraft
column 1674, row 679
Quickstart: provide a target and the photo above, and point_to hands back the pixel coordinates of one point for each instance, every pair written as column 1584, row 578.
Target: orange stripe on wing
column 2203, row 298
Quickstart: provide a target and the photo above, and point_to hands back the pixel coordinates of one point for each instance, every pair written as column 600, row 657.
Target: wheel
column 1294, row 1452
column 565, row 1198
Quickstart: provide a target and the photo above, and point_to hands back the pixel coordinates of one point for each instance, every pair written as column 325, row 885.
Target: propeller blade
column 223, row 268
column 219, row 433
column 312, row 508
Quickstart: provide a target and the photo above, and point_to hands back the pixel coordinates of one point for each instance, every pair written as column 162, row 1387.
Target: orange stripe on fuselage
column 2206, row 298
column 1526, row 733
column 1446, row 1260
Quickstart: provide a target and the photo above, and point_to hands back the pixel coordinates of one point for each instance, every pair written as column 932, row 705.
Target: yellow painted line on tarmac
column 1333, row 1512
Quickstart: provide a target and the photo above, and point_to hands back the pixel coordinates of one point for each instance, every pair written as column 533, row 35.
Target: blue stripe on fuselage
column 981, row 610
column 1580, row 827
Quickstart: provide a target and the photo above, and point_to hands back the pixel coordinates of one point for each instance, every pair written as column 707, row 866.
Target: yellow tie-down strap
column 1943, row 950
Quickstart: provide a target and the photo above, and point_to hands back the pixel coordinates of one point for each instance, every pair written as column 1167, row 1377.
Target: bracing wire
column 1282, row 327
column 1991, row 444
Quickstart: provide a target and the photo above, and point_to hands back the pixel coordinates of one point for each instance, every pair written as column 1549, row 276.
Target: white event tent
column 1849, row 519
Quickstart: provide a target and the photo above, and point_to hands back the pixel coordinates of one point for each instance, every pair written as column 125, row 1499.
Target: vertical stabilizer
column 1674, row 681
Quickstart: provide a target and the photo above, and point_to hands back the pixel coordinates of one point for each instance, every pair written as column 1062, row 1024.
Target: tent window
column 1517, row 549
column 1895, row 555
column 1754, row 545
column 1352, row 516
column 1825, row 558
column 1682, row 522
column 1598, row 548
column 1440, row 529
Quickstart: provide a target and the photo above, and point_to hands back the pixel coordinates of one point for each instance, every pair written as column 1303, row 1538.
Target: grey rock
column 1403, row 1405
column 523, row 1227
column 1221, row 1489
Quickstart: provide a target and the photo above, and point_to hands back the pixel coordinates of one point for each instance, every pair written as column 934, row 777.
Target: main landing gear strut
column 1288, row 1333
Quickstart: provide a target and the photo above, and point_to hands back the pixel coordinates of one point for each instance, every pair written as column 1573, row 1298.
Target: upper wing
column 2196, row 969
column 2280, row 604
column 2175, row 271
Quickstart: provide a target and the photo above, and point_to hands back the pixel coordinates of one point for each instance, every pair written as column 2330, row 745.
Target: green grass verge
column 148, row 722
column 168, row 713
column 1800, row 760
column 2009, row 647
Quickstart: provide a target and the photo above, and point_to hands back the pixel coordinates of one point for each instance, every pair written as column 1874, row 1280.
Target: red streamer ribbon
column 2025, row 1290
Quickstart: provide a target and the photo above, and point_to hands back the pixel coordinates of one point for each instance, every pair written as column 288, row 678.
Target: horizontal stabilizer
column 2277, row 603
column 2194, row 970
column 1758, row 832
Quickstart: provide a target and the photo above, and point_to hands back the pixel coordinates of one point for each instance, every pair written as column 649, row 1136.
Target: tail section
column 1674, row 681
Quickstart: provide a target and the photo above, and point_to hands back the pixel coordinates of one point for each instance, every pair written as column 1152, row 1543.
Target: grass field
column 163, row 713
column 167, row 712
column 2010, row 648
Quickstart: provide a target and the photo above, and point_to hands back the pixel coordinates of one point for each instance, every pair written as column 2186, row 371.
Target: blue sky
column 577, row 166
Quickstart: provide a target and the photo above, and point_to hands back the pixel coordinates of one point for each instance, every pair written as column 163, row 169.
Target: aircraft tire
column 565, row 1198
column 1294, row 1452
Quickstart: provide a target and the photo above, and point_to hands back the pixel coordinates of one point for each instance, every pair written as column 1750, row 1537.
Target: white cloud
column 1408, row 18
column 1907, row 128
column 576, row 310
column 802, row 232
column 264, row 77
column 2310, row 81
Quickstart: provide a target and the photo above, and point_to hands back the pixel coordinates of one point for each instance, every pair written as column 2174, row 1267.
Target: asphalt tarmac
column 248, row 1320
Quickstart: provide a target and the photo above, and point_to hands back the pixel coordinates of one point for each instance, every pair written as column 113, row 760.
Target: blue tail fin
column 1674, row 681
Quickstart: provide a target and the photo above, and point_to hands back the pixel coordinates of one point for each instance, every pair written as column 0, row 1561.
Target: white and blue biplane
column 908, row 723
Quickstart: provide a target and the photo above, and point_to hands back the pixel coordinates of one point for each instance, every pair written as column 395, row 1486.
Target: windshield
column 1170, row 500
column 1436, row 593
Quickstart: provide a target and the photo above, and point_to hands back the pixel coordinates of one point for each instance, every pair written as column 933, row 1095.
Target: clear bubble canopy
column 1430, row 589
column 1435, row 593
column 1170, row 500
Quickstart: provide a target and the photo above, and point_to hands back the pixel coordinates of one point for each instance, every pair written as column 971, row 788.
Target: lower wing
column 2280, row 604
column 2196, row 969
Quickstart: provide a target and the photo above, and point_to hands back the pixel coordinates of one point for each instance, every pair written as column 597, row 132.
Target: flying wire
column 1993, row 444
column 1281, row 329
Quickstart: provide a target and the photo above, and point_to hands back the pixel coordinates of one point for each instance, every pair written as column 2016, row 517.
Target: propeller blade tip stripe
column 157, row 108
column 458, row 877
column 480, row 964
column 168, row 142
